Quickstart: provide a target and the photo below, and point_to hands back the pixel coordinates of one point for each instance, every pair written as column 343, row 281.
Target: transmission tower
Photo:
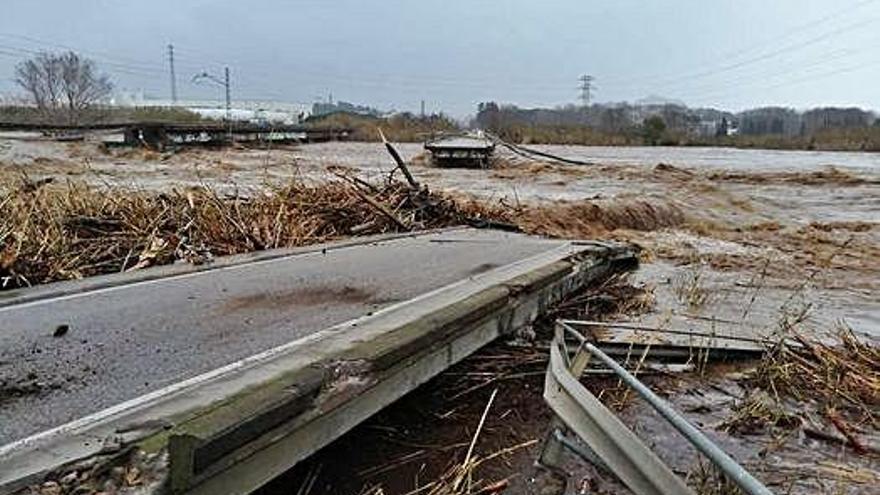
column 586, row 87
column 173, row 77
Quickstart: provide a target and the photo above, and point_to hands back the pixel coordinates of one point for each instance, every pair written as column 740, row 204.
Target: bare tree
column 62, row 83
column 40, row 77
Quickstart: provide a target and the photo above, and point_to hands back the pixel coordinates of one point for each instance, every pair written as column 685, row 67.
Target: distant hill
column 654, row 100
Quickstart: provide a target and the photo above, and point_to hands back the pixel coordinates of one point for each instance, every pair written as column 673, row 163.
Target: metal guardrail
column 607, row 438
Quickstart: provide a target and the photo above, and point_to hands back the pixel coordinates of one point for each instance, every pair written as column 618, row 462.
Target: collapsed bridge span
column 240, row 369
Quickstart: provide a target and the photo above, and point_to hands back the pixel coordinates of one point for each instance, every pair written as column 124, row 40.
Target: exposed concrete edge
column 98, row 282
column 184, row 403
column 458, row 331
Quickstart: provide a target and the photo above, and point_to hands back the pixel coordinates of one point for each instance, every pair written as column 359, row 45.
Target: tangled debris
column 614, row 297
column 124, row 472
column 839, row 378
column 829, row 174
column 50, row 233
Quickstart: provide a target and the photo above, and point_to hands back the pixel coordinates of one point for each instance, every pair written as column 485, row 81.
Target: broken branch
column 400, row 164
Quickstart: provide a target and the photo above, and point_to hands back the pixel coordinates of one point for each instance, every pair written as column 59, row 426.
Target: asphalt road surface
column 71, row 355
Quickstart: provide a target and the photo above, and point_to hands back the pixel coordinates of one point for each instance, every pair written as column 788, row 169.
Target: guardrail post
column 620, row 449
column 181, row 449
column 551, row 451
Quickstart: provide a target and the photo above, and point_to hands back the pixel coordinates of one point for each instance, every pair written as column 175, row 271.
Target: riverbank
column 843, row 139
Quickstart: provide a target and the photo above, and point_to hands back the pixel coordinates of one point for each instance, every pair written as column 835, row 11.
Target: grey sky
column 455, row 53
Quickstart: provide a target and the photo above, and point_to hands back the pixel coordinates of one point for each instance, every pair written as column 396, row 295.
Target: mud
column 20, row 377
column 13, row 391
column 303, row 297
column 485, row 267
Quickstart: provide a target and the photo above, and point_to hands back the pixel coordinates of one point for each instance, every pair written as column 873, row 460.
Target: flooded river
column 733, row 241
column 806, row 215
column 703, row 157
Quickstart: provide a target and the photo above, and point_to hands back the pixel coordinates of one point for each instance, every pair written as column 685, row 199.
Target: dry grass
column 52, row 232
column 828, row 389
column 398, row 128
column 462, row 478
column 690, row 289
column 706, row 479
column 756, row 414
column 614, row 298
column 841, row 375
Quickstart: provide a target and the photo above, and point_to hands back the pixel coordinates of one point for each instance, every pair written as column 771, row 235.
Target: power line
column 136, row 68
column 823, row 75
column 107, row 60
column 377, row 80
column 810, row 76
column 785, row 69
column 674, row 80
column 804, row 26
column 758, row 46
column 226, row 86
column 116, row 67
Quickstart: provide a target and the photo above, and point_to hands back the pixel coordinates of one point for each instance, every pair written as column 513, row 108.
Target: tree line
column 677, row 124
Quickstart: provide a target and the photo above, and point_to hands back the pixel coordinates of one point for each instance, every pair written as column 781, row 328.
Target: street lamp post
column 205, row 76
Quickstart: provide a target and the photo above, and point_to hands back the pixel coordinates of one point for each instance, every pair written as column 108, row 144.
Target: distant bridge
column 161, row 134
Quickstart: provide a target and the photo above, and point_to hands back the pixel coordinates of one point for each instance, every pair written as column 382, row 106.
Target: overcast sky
column 456, row 53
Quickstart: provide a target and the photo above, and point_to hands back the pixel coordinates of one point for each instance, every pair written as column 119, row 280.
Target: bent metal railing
column 608, row 441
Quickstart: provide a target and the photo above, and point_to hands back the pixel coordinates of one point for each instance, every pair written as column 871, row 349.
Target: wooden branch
column 400, row 164
column 381, row 208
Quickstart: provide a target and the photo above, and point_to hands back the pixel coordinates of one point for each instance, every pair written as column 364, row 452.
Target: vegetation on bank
column 564, row 134
column 51, row 232
column 852, row 139
column 848, row 129
column 401, row 127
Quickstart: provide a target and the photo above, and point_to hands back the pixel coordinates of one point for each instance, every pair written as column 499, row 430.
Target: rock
column 69, row 478
column 83, row 490
column 110, row 486
column 117, row 472
column 50, row 488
